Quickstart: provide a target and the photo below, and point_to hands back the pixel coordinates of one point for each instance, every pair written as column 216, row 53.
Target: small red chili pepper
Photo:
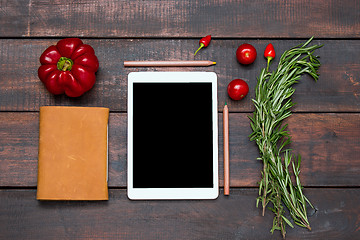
column 269, row 53
column 204, row 42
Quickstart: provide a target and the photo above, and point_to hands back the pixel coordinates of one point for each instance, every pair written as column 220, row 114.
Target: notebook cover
column 72, row 161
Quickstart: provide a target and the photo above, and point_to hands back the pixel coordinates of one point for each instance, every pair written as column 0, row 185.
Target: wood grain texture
column 325, row 125
column 329, row 145
column 14, row 18
column 338, row 89
column 158, row 18
column 232, row 217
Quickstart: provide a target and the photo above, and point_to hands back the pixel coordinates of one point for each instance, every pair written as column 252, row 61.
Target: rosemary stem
column 272, row 105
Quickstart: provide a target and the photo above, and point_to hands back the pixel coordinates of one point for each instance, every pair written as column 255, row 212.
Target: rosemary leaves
column 272, row 105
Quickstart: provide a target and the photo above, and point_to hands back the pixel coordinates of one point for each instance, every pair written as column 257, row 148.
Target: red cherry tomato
column 237, row 89
column 246, row 54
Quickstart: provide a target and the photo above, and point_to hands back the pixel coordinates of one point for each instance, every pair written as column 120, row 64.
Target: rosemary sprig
column 272, row 105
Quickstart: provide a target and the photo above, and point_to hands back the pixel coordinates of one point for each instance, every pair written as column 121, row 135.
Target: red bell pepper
column 68, row 67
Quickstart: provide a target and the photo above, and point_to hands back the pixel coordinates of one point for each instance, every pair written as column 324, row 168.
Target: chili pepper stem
column 268, row 63
column 201, row 46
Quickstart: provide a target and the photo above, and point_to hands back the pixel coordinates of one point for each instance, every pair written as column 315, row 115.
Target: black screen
column 172, row 135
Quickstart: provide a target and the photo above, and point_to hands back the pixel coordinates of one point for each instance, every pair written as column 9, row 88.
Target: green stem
column 265, row 189
column 201, row 46
column 268, row 63
column 65, row 64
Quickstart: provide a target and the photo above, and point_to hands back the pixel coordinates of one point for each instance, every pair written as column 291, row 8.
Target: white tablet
column 172, row 135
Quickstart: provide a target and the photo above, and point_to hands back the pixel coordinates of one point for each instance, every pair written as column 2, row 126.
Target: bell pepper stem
column 65, row 64
column 201, row 46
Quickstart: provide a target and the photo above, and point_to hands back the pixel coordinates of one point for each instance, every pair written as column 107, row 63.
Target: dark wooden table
column 325, row 125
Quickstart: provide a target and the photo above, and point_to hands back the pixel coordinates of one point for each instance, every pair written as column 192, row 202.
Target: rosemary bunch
column 272, row 105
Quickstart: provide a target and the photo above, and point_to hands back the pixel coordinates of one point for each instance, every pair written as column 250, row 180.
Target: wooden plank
column 14, row 18
column 156, row 18
column 329, row 145
column 232, row 217
column 337, row 90
column 19, row 137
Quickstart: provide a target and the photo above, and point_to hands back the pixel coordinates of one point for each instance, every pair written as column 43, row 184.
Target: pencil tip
column 225, row 103
column 214, row 63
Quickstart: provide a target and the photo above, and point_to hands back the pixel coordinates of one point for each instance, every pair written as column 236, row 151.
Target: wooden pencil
column 168, row 63
column 226, row 150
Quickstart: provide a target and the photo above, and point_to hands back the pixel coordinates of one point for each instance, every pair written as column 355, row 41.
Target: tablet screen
column 172, row 135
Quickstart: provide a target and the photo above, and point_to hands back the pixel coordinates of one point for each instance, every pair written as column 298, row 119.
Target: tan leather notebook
column 73, row 153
